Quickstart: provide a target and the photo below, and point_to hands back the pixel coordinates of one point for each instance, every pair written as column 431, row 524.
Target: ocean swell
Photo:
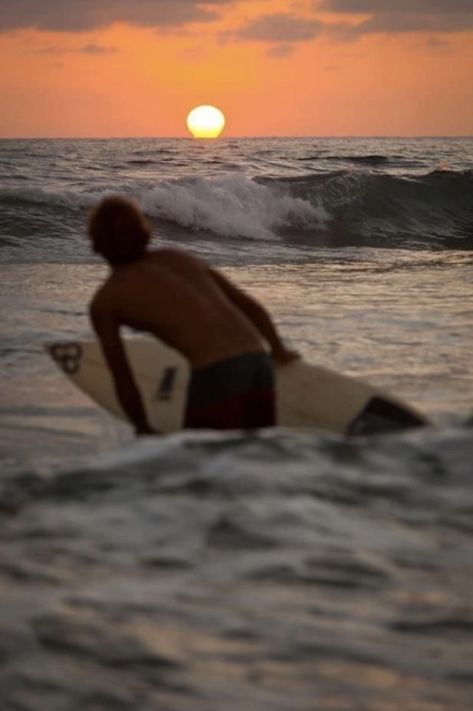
column 357, row 208
column 434, row 210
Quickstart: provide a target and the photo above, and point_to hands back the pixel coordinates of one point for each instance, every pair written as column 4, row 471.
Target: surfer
column 222, row 331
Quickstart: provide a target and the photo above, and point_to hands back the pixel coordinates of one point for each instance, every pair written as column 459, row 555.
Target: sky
column 106, row 68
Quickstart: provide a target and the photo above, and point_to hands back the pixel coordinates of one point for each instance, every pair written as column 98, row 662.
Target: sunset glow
column 318, row 67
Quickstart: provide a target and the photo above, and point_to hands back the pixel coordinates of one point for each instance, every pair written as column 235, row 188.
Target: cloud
column 92, row 48
column 398, row 16
column 437, row 44
column 280, row 28
column 423, row 6
column 98, row 49
column 280, row 51
column 82, row 15
column 285, row 30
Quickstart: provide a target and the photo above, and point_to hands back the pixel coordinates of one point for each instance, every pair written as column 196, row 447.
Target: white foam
column 231, row 206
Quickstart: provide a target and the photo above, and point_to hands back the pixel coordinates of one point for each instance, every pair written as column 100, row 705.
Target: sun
column 205, row 122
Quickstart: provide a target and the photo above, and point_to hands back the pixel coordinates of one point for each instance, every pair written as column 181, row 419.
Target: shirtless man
column 222, row 331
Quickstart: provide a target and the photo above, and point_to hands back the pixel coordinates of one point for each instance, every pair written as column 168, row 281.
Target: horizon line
column 223, row 138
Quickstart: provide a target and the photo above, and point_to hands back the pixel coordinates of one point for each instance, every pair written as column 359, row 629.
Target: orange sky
column 273, row 67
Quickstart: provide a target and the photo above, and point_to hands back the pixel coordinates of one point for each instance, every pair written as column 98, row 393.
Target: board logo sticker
column 67, row 356
column 164, row 391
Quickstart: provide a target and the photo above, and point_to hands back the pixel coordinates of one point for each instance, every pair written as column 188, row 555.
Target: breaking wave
column 359, row 208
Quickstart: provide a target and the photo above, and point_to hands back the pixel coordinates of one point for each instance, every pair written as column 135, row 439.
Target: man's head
column 118, row 230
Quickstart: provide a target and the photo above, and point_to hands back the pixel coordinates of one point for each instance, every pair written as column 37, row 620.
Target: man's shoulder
column 173, row 255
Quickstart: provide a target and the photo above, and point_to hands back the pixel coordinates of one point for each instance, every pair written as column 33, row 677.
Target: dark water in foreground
column 279, row 571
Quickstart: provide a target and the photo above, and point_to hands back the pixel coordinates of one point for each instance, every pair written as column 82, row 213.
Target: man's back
column 178, row 298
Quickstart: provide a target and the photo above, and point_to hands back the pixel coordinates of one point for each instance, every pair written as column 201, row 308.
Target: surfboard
column 308, row 396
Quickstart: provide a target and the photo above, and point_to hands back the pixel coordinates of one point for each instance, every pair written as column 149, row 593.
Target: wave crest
column 232, row 206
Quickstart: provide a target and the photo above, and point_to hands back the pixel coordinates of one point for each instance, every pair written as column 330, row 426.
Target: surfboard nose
column 66, row 354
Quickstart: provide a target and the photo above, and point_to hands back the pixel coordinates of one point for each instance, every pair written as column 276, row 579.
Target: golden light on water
column 205, row 122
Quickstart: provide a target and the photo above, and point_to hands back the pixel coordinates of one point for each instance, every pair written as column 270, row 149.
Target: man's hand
column 283, row 355
column 144, row 430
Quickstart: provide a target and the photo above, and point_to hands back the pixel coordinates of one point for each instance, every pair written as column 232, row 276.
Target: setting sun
column 205, row 122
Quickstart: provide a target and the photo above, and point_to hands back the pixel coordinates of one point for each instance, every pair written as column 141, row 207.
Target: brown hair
column 118, row 230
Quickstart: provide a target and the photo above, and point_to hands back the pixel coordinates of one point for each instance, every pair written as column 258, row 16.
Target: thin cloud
column 92, row 48
column 280, row 28
column 387, row 16
column 281, row 51
column 438, row 45
column 82, row 15
column 421, row 6
column 97, row 49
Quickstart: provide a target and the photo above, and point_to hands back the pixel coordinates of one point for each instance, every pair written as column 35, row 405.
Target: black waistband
column 231, row 376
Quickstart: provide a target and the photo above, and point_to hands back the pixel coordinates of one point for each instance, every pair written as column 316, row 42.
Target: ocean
column 283, row 570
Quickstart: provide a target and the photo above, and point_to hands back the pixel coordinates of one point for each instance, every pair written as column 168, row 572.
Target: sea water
column 291, row 570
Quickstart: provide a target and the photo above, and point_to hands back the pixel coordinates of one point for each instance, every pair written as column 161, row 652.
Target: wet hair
column 118, row 230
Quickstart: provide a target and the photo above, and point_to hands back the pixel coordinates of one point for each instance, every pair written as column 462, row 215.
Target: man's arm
column 107, row 330
column 257, row 314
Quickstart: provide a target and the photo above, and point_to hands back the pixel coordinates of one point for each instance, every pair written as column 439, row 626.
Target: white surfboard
column 307, row 395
